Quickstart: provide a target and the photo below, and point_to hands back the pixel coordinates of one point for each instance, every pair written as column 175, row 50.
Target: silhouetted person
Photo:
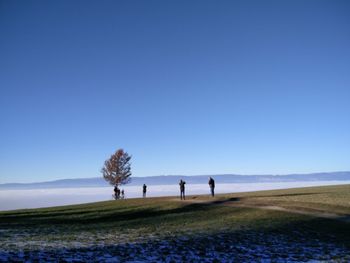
column 144, row 190
column 116, row 192
column 211, row 185
column 123, row 194
column 182, row 189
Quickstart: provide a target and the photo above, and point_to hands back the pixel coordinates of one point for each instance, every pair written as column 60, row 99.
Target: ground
column 295, row 225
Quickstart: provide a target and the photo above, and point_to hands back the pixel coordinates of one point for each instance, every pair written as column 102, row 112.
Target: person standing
column 116, row 192
column 123, row 194
column 182, row 189
column 144, row 190
column 211, row 185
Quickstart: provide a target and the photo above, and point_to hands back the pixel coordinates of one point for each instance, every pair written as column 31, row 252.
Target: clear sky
column 186, row 87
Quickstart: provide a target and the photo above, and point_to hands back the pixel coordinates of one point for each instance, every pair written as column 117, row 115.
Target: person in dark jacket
column 116, row 192
column 144, row 190
column 211, row 185
column 182, row 189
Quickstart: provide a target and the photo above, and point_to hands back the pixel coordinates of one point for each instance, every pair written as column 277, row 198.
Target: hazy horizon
column 185, row 175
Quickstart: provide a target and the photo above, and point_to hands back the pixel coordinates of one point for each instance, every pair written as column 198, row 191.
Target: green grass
column 135, row 219
column 332, row 199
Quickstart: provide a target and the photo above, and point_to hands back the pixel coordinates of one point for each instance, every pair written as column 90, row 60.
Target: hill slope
column 237, row 227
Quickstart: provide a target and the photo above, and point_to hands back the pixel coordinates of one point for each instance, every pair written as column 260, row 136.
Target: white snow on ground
column 18, row 199
column 246, row 246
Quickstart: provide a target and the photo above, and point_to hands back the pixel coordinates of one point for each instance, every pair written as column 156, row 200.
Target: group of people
column 182, row 188
column 120, row 194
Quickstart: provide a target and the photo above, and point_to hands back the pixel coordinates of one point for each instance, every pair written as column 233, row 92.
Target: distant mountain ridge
column 190, row 179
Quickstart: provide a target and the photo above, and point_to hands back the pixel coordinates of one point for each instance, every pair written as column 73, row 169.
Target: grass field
column 282, row 225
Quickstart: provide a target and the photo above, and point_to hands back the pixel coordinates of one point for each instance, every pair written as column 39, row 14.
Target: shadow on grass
column 113, row 214
column 304, row 239
column 219, row 202
column 93, row 217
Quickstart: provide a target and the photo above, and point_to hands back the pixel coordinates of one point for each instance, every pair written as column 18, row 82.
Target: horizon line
column 187, row 175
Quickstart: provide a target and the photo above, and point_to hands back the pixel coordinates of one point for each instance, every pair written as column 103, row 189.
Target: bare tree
column 116, row 169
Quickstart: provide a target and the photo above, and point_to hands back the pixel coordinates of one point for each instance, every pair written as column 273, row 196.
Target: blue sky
column 186, row 87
